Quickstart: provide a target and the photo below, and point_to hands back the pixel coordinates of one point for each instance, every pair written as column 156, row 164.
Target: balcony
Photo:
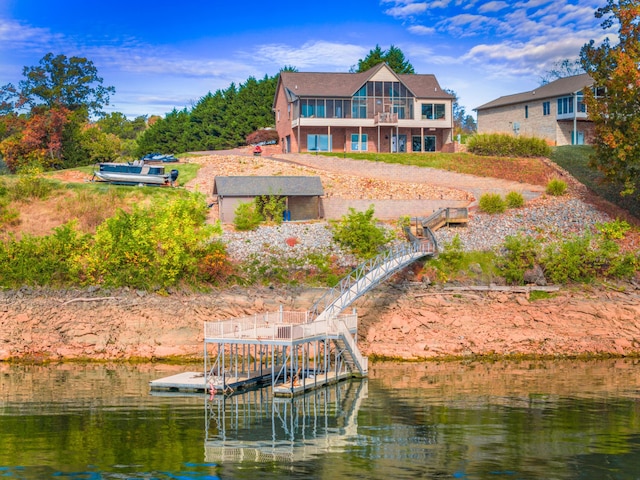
column 385, row 118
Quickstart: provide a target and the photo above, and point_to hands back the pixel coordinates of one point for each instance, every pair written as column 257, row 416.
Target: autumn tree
column 41, row 120
column 394, row 57
column 616, row 114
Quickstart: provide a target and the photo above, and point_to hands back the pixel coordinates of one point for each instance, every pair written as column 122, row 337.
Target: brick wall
column 502, row 119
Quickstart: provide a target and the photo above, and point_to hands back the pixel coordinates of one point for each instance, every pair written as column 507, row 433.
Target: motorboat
column 135, row 173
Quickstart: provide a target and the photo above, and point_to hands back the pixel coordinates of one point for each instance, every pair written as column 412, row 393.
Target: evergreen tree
column 394, row 57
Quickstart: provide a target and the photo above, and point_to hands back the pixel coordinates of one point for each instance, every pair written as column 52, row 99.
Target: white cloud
column 421, row 30
column 406, row 10
column 492, row 7
column 311, row 54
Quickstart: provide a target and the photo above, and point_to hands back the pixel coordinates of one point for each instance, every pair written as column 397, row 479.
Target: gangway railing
column 369, row 274
column 361, row 362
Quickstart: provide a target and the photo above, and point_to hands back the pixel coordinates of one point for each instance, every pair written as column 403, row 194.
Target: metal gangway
column 297, row 351
column 371, row 273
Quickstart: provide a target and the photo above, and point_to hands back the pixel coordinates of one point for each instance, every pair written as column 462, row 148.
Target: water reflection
column 257, row 426
column 470, row 420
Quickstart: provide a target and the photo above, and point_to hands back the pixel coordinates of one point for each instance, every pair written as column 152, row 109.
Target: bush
column 518, row 255
column 514, row 200
column 615, row 230
column 503, row 145
column 492, row 203
column 31, row 185
column 451, row 257
column 42, row 261
column 247, row 217
column 271, row 207
column 570, row 260
column 556, row 187
column 156, row 247
column 358, row 232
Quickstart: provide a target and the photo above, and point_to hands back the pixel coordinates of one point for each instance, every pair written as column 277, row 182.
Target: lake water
column 463, row 420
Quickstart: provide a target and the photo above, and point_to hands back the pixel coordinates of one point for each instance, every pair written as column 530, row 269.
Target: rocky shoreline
column 396, row 320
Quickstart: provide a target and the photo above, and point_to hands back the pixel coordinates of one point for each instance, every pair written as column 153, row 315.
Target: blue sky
column 160, row 55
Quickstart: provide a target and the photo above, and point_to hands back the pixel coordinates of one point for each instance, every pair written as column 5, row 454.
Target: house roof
column 557, row 88
column 316, row 84
column 249, row 186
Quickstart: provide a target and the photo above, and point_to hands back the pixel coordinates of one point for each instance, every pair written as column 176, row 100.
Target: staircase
column 362, row 279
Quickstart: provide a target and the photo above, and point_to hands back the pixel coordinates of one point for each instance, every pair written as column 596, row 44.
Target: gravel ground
column 545, row 219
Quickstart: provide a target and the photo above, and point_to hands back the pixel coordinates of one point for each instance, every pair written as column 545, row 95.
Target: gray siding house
column 302, row 194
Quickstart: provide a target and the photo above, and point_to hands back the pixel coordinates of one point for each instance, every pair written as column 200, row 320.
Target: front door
column 399, row 143
column 577, row 138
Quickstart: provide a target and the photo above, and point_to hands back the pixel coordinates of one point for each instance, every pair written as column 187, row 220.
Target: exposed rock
column 410, row 322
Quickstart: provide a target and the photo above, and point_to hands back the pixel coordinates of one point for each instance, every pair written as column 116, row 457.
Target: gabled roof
column 557, row 88
column 249, row 186
column 315, row 84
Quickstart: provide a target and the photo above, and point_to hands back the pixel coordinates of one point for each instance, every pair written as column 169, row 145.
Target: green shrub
column 271, row 207
column 514, row 200
column 569, row 260
column 556, row 187
column 624, row 266
column 452, row 255
column 503, row 145
column 247, row 216
column 42, row 261
column 359, row 233
column 156, row 247
column 615, row 230
column 31, row 185
column 519, row 254
column 492, row 203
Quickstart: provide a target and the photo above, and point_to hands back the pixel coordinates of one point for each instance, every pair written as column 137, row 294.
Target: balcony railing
column 385, row 118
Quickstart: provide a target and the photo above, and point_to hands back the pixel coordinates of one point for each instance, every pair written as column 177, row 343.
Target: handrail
column 361, row 361
column 369, row 274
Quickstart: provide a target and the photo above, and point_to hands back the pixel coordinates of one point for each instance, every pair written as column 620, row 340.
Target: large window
column 565, row 105
column 433, row 111
column 319, row 143
column 359, row 142
column 429, row 143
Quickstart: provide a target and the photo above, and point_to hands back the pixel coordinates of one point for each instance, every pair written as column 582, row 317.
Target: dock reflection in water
column 259, row 427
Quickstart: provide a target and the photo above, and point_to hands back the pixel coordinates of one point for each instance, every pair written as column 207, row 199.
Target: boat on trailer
column 135, row 173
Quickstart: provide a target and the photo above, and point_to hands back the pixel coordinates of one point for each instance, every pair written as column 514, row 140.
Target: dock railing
column 281, row 326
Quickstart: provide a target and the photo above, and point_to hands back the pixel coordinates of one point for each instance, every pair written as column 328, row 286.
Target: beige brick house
column 554, row 112
column 373, row 111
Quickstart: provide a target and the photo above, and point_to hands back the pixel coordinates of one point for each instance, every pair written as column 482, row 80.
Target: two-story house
column 555, row 112
column 373, row 111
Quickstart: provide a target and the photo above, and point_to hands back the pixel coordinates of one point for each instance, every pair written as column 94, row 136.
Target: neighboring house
column 555, row 112
column 373, row 111
column 302, row 194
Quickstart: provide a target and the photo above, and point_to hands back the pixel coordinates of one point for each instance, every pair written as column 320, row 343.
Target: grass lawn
column 527, row 170
column 575, row 159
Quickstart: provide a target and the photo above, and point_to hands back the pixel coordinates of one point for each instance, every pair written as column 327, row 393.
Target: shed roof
column 249, row 186
column 557, row 88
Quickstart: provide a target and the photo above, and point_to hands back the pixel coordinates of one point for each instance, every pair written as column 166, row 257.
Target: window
column 582, row 107
column 565, row 105
column 526, row 111
column 359, row 108
column 319, row 143
column 359, row 142
column 429, row 143
column 546, row 108
column 433, row 111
